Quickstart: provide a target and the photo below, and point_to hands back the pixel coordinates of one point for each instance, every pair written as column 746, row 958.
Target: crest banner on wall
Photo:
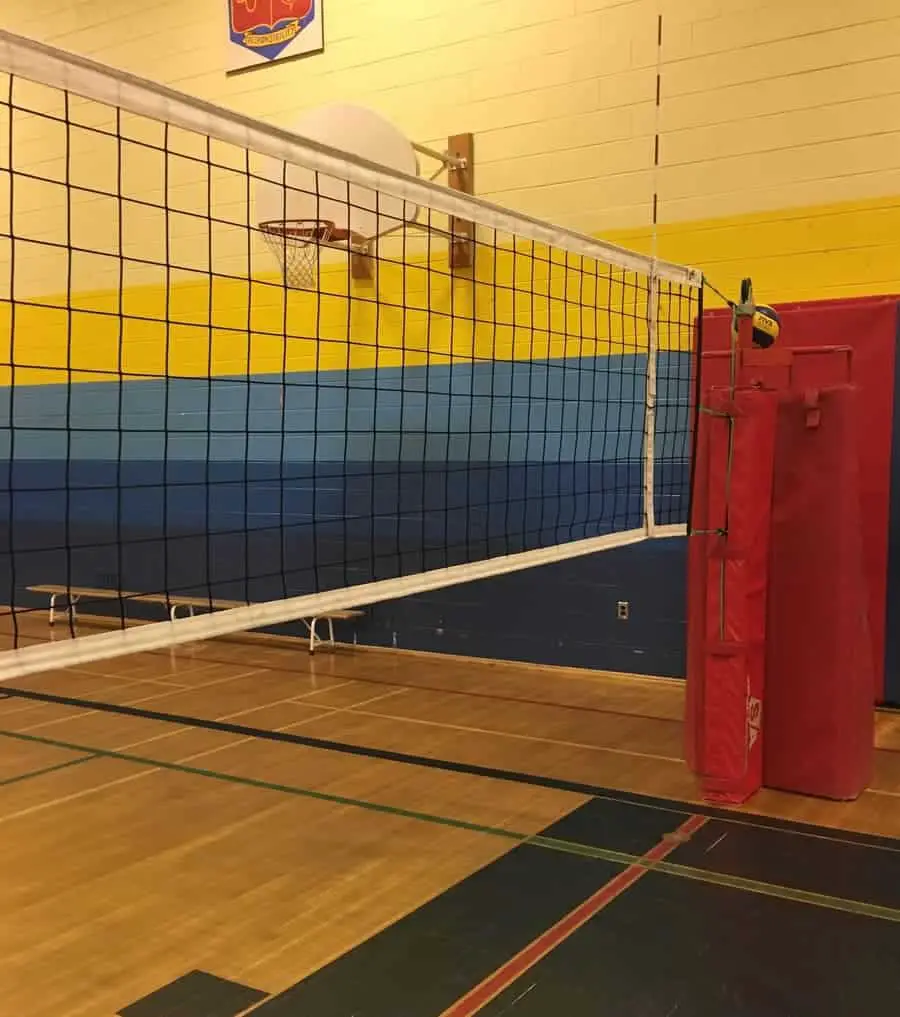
column 263, row 31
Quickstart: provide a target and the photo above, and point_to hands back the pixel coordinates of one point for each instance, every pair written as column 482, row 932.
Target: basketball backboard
column 289, row 192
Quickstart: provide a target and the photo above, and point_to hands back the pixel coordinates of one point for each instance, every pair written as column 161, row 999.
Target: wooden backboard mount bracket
column 461, row 177
column 361, row 264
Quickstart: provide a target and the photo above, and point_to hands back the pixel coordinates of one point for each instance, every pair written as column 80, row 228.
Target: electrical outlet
column 623, row 609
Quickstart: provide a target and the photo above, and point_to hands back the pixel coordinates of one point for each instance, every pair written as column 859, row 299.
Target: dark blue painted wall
column 259, row 488
column 563, row 614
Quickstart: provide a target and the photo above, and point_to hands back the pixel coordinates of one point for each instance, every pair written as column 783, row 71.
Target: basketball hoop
column 300, row 209
column 296, row 243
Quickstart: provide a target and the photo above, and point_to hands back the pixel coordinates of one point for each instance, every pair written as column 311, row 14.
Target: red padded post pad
column 869, row 325
column 727, row 573
column 820, row 668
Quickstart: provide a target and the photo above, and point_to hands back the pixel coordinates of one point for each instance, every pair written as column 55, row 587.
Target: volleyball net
column 184, row 425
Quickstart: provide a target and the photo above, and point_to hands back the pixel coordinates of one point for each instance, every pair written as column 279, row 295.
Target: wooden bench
column 73, row 594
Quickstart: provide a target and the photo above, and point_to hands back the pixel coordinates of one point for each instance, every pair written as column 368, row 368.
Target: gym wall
column 779, row 158
column 779, row 122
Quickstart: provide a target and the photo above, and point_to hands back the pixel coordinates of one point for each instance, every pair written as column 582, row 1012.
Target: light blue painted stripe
column 577, row 410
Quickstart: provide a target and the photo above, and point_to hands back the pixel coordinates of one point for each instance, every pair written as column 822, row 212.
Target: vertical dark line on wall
column 659, row 40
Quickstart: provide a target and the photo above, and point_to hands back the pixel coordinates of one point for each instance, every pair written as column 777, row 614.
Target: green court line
column 759, row 887
column 48, row 769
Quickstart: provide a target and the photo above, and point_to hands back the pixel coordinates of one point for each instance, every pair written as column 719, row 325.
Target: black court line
column 454, row 766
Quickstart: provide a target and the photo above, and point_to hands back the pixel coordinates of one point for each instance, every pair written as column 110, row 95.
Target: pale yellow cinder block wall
column 558, row 94
column 780, row 134
column 781, row 144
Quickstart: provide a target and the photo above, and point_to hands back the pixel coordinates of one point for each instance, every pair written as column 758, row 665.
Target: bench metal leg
column 71, row 601
column 314, row 638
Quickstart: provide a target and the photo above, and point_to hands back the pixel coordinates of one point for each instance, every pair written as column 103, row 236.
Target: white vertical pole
column 653, row 311
column 650, row 404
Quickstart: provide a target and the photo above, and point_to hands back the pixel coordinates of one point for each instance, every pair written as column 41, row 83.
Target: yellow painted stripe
column 819, row 252
column 516, row 308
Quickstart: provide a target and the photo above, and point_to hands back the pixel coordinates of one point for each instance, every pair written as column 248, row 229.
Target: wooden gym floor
column 237, row 828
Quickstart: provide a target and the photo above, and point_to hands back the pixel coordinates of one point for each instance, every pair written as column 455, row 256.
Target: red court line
column 477, row 998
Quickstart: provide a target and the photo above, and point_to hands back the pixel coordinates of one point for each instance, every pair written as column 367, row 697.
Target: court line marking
column 206, row 665
column 24, row 704
column 723, row 879
column 125, row 683
column 240, row 713
column 466, row 729
column 144, row 699
column 237, row 713
column 495, row 697
column 141, row 774
column 758, row 821
column 422, row 721
column 169, row 677
column 297, row 699
column 19, row 777
column 191, row 688
column 503, row 977
column 716, row 843
column 83, row 671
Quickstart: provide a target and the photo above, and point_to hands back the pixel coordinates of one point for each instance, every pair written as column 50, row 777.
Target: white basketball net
column 296, row 243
